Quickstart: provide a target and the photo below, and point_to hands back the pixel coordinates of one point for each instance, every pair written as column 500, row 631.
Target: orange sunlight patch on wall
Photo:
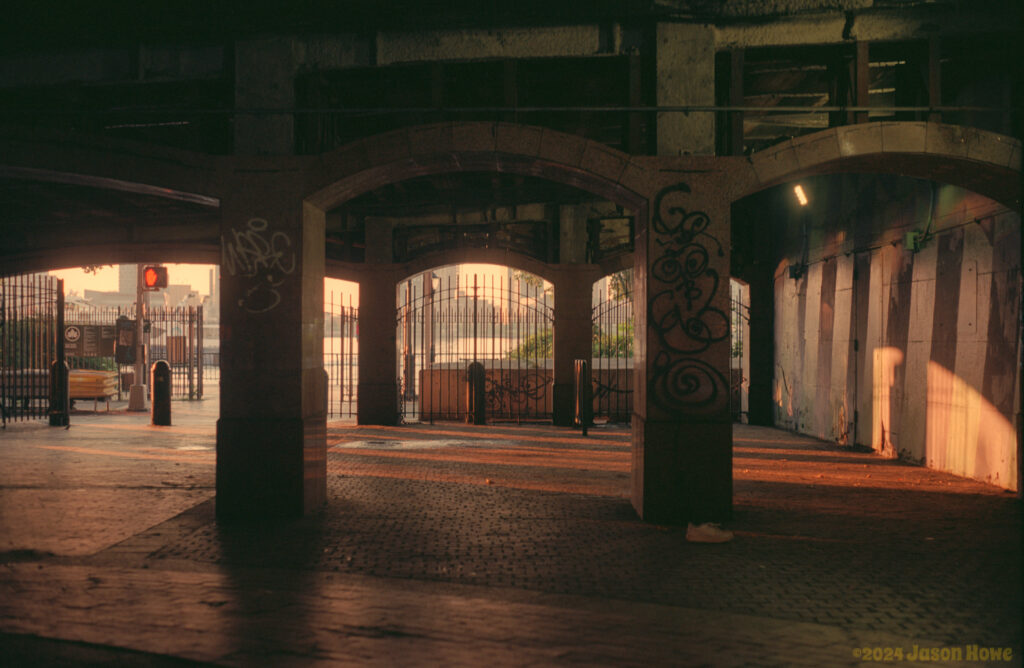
column 966, row 434
column 886, row 359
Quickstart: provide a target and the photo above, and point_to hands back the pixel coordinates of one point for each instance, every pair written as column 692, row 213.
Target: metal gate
column 612, row 365
column 176, row 336
column 447, row 320
column 172, row 334
column 30, row 312
column 739, row 325
column 341, row 356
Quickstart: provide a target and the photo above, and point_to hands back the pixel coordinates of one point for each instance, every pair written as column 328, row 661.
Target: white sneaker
column 707, row 533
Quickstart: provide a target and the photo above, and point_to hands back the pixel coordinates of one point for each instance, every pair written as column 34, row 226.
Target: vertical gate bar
column 343, row 346
column 202, row 334
column 455, row 335
column 31, row 361
column 615, row 322
column 191, row 352
column 421, row 351
column 489, row 299
column 57, row 338
column 21, row 352
column 429, row 326
column 502, row 305
column 520, row 350
column 3, row 352
column 475, row 316
column 536, row 344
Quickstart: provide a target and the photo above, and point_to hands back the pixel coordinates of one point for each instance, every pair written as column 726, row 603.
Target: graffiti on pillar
column 686, row 382
column 682, row 313
column 263, row 257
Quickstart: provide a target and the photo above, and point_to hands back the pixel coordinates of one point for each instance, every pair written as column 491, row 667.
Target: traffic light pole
column 137, row 393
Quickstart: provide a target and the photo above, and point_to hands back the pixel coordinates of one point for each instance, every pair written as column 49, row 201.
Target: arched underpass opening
column 885, row 314
column 112, row 473
column 477, row 267
column 455, row 317
column 341, row 347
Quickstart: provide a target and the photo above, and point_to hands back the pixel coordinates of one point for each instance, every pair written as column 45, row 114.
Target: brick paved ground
column 462, row 545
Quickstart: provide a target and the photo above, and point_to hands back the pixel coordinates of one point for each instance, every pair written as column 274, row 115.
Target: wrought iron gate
column 172, row 334
column 739, row 324
column 612, row 365
column 341, row 356
column 176, row 336
column 29, row 321
column 447, row 320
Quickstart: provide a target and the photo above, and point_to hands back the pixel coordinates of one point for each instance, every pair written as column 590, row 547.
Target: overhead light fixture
column 801, row 196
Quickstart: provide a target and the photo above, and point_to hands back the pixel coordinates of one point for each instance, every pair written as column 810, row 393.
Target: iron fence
column 739, row 323
column 176, row 336
column 341, row 355
column 504, row 322
column 211, row 366
column 173, row 334
column 29, row 322
column 611, row 372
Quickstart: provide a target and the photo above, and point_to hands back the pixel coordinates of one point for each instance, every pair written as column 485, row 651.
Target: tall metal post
column 137, row 393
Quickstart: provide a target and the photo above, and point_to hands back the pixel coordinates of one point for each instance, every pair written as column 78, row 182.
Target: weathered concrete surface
column 457, row 545
column 913, row 352
column 686, row 76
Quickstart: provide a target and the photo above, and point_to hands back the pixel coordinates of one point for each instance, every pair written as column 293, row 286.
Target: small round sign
column 72, row 333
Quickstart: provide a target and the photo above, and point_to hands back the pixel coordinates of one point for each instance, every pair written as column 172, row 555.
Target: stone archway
column 834, row 403
column 73, row 200
column 983, row 162
column 682, row 433
column 454, row 148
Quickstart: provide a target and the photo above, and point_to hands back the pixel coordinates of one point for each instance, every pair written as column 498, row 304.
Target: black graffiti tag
column 681, row 313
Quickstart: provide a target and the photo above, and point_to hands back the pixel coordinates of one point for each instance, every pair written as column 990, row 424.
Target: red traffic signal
column 154, row 277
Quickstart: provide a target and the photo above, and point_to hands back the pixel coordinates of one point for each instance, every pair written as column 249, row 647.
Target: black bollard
column 60, row 404
column 584, row 396
column 160, row 385
column 475, row 394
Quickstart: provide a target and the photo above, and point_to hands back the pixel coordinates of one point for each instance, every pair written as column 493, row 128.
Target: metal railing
column 504, row 320
column 341, row 356
column 29, row 323
column 611, row 368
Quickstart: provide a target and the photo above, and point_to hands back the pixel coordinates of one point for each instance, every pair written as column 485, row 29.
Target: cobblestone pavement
column 514, row 545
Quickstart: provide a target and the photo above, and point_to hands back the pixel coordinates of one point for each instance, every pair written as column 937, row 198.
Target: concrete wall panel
column 924, row 342
column 542, row 42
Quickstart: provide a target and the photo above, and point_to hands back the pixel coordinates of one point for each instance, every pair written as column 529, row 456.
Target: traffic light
column 154, row 277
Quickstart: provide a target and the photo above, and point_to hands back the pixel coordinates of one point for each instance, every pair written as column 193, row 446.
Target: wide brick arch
column 74, row 199
column 479, row 147
column 983, row 162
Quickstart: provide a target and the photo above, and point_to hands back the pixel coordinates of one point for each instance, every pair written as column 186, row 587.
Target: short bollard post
column 584, row 396
column 160, row 382
column 59, row 395
column 475, row 394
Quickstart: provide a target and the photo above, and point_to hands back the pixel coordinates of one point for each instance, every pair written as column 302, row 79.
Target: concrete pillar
column 686, row 76
column 378, row 387
column 682, row 429
column 572, row 234
column 265, row 79
column 271, row 435
column 573, row 335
